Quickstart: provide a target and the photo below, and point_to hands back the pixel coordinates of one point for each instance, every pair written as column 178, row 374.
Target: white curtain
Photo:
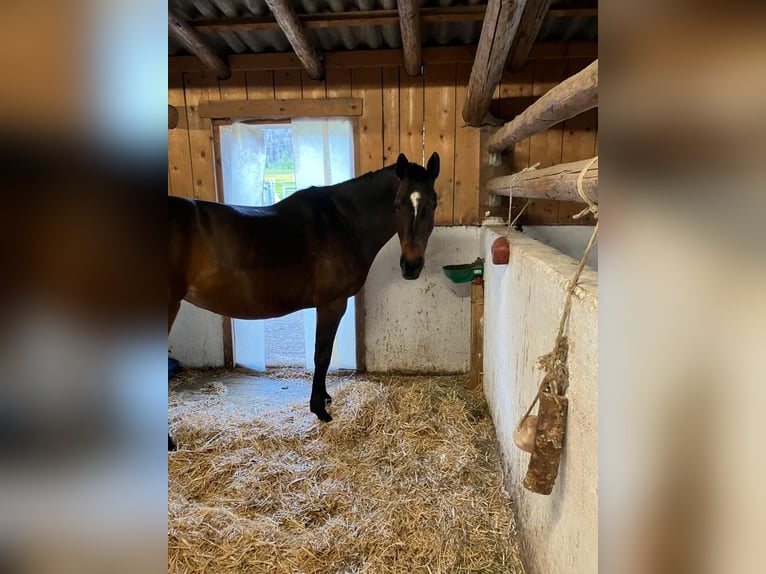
column 243, row 155
column 324, row 155
column 243, row 162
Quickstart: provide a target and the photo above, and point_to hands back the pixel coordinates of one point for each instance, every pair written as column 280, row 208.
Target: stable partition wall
column 424, row 325
column 196, row 339
column 523, row 301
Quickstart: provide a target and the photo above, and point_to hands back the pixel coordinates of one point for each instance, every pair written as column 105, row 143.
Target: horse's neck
column 372, row 212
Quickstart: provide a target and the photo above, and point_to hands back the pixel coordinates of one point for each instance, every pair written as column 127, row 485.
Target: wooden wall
column 416, row 116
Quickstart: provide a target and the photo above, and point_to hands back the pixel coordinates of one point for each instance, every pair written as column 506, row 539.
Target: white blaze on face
column 415, row 199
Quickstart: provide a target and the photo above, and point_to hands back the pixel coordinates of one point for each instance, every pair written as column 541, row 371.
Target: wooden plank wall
column 416, row 116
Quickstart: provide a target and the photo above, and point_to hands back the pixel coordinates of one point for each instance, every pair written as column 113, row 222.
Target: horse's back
column 247, row 262
column 238, row 236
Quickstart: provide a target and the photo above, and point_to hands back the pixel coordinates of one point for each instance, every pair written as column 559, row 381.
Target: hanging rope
column 554, row 364
column 515, row 219
column 510, row 199
column 592, row 207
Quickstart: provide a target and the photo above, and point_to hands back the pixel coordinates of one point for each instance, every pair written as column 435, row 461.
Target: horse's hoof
column 171, row 444
column 321, row 414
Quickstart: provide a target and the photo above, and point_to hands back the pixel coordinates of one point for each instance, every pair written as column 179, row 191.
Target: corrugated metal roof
column 581, row 28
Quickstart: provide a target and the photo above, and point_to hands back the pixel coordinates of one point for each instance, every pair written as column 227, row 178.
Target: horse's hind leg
column 328, row 319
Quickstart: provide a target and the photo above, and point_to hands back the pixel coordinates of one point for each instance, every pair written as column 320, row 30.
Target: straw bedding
column 405, row 479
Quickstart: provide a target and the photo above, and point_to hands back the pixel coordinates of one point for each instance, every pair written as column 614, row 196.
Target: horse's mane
column 363, row 181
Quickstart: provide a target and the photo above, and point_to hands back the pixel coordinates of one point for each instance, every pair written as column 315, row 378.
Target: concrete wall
column 423, row 325
column 569, row 239
column 196, row 339
column 523, row 302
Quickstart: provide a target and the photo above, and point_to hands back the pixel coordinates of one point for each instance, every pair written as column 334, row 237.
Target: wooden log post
column 193, row 42
column 477, row 334
column 573, row 96
column 296, row 34
column 556, row 182
column 549, row 443
column 501, row 21
column 409, row 24
column 529, row 27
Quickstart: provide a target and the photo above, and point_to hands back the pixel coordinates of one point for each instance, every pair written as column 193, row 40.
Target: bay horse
column 312, row 249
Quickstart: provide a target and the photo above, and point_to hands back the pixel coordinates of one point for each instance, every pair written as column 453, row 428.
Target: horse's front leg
column 328, row 319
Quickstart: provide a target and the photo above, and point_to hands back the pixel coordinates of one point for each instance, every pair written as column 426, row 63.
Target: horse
column 312, row 249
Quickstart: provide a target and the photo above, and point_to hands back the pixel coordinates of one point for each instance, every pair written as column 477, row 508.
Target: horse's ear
column 402, row 163
column 433, row 166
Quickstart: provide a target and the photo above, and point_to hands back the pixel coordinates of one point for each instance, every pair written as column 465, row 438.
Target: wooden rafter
column 359, row 18
column 194, row 43
column 497, row 34
column 529, row 27
column 295, row 32
column 556, row 182
column 342, row 19
column 409, row 24
column 573, row 96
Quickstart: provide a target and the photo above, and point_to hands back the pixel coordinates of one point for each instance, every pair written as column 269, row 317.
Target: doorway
column 262, row 164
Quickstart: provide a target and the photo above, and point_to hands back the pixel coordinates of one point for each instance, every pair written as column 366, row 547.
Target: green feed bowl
column 465, row 273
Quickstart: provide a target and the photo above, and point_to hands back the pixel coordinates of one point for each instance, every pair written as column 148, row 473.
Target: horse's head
column 415, row 205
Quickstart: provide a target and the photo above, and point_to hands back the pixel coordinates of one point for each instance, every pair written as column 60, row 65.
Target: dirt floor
column 406, row 478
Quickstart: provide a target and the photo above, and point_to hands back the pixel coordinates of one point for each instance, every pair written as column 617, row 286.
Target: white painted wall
column 522, row 305
column 569, row 239
column 420, row 326
column 196, row 339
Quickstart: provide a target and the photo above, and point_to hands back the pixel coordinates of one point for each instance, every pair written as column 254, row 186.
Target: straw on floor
column 405, row 479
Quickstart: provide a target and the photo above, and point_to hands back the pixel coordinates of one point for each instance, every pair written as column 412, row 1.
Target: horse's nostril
column 411, row 269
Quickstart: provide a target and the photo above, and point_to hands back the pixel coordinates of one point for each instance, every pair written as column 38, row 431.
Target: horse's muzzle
column 411, row 269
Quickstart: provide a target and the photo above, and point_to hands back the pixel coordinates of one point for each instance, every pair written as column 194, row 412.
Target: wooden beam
column 573, row 96
column 343, row 59
column 381, row 58
column 572, row 13
column 477, row 335
column 556, row 182
column 296, row 35
column 529, row 28
column 497, row 33
column 342, row 19
column 193, row 42
column 271, row 109
column 409, row 24
column 563, row 51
